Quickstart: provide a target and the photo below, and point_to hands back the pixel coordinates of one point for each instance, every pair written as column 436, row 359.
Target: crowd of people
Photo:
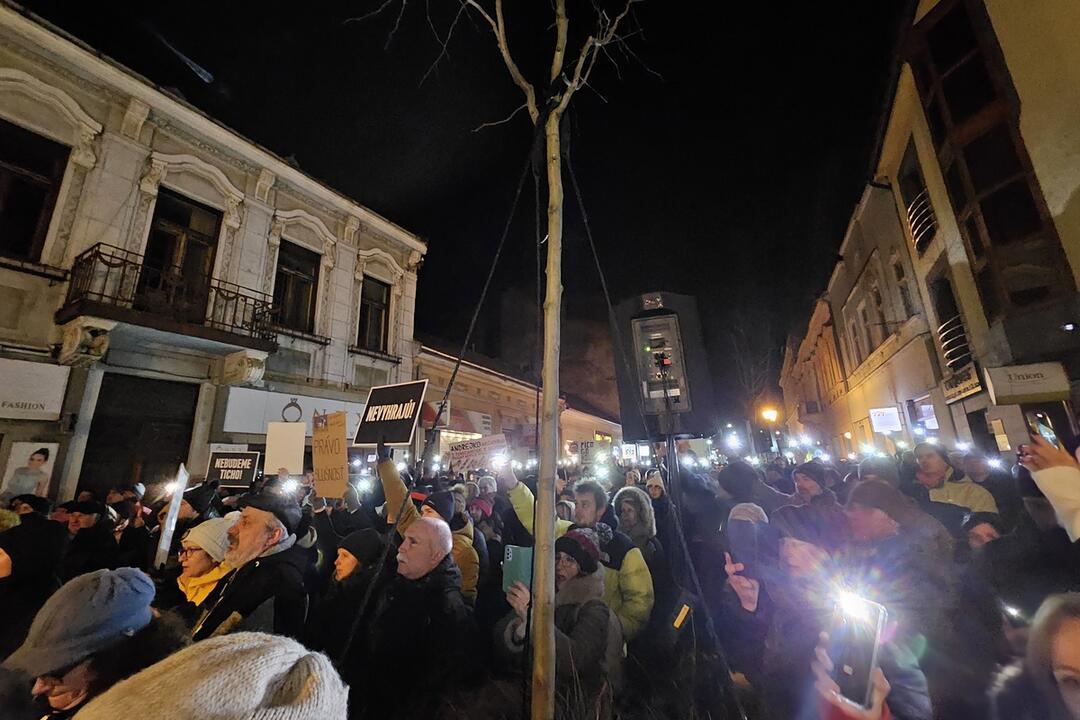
column 704, row 594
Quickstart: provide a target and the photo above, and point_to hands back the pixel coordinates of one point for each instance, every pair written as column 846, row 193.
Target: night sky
column 723, row 162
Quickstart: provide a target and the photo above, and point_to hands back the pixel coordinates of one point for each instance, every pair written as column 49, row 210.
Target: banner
column 472, row 454
column 390, row 414
column 167, row 527
column 233, row 469
column 329, row 455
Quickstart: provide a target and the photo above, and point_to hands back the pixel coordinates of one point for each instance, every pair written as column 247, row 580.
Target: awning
column 1015, row 384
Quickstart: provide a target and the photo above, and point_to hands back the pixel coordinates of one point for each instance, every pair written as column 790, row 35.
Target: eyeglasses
column 188, row 551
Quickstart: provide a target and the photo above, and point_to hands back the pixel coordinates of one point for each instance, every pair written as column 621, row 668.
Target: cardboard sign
column 473, row 454
column 591, row 451
column 232, row 469
column 169, row 526
column 390, row 414
column 329, row 454
column 285, row 447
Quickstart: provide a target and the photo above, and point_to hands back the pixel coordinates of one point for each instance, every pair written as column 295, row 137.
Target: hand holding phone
column 853, row 642
column 517, row 567
column 1040, row 425
column 829, row 691
column 1040, row 455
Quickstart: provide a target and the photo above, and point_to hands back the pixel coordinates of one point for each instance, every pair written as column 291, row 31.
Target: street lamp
column 770, row 415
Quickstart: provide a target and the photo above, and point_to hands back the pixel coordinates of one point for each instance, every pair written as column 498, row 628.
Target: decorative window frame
column 165, row 170
column 82, row 134
column 381, row 266
column 279, row 228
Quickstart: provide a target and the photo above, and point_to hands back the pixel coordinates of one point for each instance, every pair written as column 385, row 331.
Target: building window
column 1011, row 241
column 922, row 222
column 179, row 257
column 296, row 287
column 373, row 333
column 904, row 286
column 856, row 350
column 31, row 170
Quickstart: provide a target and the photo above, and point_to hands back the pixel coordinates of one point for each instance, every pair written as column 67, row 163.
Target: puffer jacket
column 628, row 584
column 645, row 538
column 588, row 646
column 465, row 555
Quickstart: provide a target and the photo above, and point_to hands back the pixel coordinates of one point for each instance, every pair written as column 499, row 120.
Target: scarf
column 197, row 589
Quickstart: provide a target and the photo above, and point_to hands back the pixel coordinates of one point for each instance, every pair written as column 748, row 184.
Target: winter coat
column 954, row 489
column 464, row 553
column 628, row 585
column 332, row 614
column 36, row 547
column 588, row 646
column 645, row 539
column 273, row 585
column 1015, row 696
column 135, row 548
column 480, row 546
column 92, row 548
column 663, row 513
column 418, row 629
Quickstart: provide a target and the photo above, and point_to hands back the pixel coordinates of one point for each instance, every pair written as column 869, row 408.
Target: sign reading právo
column 233, row 469
column 390, row 414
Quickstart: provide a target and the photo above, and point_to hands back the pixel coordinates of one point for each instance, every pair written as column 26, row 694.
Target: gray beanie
column 212, row 535
column 749, row 511
column 87, row 615
column 243, row 676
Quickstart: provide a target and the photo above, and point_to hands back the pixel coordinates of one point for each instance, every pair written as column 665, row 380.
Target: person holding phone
column 588, row 636
column 1057, row 474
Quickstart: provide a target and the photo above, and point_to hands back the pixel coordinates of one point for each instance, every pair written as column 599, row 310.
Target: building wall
column 127, row 141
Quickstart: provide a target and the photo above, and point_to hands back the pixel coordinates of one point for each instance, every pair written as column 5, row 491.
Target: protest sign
column 232, row 469
column 329, row 454
column 592, row 451
column 390, row 414
column 285, row 447
column 472, row 454
column 169, row 525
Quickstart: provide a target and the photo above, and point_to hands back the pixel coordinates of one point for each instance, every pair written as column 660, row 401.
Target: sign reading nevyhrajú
column 390, row 414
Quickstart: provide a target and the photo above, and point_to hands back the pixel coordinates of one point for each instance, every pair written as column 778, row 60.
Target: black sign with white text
column 390, row 414
column 233, row 469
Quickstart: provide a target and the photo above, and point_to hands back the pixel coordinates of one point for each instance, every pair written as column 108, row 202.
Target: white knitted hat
column 212, row 535
column 244, row 676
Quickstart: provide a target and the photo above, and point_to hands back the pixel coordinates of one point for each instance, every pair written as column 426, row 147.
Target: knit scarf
column 197, row 589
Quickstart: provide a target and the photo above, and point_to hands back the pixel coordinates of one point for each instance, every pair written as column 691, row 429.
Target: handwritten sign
column 472, row 454
column 329, row 454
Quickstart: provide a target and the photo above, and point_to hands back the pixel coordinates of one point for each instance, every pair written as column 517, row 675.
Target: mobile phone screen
column 854, row 638
column 1039, row 423
column 742, row 538
column 517, row 566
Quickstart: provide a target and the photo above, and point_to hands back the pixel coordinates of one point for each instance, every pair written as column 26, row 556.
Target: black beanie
column 364, row 545
column 38, row 504
column 200, row 497
column 442, row 502
column 813, row 470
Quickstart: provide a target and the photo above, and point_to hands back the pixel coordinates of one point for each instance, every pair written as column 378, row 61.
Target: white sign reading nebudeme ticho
column 32, row 390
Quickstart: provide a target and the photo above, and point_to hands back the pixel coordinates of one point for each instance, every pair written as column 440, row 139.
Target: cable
column 672, row 462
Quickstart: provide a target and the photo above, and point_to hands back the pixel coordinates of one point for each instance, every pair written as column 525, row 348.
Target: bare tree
column 753, row 357
column 567, row 75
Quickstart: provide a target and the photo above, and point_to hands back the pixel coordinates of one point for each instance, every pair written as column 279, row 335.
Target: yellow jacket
column 464, row 553
column 964, row 493
column 628, row 589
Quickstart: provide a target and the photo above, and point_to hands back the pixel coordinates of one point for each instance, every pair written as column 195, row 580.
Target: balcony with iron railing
column 952, row 335
column 922, row 221
column 117, row 284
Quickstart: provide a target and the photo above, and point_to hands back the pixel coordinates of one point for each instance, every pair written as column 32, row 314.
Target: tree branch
column 506, row 119
column 562, row 25
column 587, row 58
column 498, row 26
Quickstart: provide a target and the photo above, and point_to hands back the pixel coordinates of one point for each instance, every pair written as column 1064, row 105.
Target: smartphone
column 1039, row 424
column 517, row 566
column 854, row 640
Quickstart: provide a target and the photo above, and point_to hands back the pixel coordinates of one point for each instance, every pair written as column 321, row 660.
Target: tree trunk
column 543, row 611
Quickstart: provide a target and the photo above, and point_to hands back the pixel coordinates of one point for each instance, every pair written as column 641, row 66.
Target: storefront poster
column 29, row 468
column 472, row 454
column 232, row 469
column 886, row 419
column 329, row 455
column 32, row 390
column 390, row 414
column 249, row 411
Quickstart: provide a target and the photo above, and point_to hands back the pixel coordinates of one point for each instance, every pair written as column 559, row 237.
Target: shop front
column 32, row 437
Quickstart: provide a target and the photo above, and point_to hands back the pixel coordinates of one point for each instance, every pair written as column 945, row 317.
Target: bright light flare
column 401, row 467
column 498, row 462
column 852, row 605
column 825, row 457
column 868, row 448
column 364, row 486
column 289, row 486
column 962, row 446
column 994, row 463
column 932, row 440
column 754, row 460
column 356, row 462
column 170, row 488
column 733, row 441
column 601, row 471
column 901, row 444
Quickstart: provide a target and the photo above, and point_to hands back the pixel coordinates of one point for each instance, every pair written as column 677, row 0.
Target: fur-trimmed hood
column 643, row 504
column 581, row 589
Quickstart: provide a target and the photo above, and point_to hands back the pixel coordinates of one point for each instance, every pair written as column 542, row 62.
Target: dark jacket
column 480, row 545
column 331, row 615
column 136, row 548
column 36, row 547
column 1015, row 696
column 266, row 594
column 92, row 548
column 416, row 628
column 588, row 647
